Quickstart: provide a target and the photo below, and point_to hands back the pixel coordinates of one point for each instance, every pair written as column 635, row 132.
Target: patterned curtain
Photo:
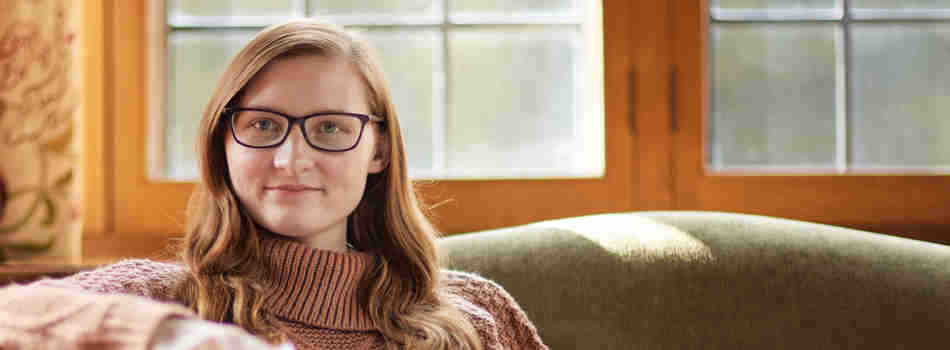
column 39, row 215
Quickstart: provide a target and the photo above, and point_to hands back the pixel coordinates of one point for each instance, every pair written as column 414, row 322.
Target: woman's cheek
column 243, row 172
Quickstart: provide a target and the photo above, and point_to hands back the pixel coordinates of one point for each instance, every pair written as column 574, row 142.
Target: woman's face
column 294, row 189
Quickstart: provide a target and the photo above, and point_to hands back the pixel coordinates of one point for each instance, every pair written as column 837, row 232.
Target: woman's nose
column 293, row 154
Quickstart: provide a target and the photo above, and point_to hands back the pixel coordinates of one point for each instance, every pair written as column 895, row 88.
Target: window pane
column 901, row 84
column 195, row 61
column 514, row 109
column 521, row 7
column 901, row 4
column 775, row 9
column 867, row 9
column 234, row 8
column 412, row 59
column 775, row 96
column 387, row 7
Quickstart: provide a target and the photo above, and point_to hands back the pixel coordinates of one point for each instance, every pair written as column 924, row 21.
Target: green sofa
column 708, row 280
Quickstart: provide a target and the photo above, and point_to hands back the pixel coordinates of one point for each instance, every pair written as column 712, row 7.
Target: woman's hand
column 196, row 334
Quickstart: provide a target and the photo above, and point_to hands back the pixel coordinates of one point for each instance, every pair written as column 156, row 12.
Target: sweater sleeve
column 140, row 277
column 114, row 307
column 56, row 315
column 500, row 321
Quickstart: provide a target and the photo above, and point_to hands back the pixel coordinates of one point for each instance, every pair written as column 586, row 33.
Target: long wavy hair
column 222, row 249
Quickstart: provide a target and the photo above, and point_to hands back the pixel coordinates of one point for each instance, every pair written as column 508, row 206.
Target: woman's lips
column 293, row 188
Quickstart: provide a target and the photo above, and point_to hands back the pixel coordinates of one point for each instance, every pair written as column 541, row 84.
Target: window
column 484, row 89
column 829, row 86
column 129, row 211
column 827, row 111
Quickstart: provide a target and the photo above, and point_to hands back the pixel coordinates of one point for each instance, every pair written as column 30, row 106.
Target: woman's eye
column 329, row 128
column 263, row 124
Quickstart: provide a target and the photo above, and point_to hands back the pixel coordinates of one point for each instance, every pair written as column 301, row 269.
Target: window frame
column 907, row 205
column 129, row 214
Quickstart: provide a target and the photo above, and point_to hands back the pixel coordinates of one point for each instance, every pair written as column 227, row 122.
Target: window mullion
column 440, row 121
column 845, row 119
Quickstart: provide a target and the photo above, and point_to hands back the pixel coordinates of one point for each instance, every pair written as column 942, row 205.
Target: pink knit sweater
column 313, row 295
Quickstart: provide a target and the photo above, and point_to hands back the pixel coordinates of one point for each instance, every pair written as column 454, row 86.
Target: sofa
column 710, row 280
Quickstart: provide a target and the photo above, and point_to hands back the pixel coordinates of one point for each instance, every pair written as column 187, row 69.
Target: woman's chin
column 299, row 232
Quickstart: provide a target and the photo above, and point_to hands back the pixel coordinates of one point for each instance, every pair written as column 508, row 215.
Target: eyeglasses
column 330, row 131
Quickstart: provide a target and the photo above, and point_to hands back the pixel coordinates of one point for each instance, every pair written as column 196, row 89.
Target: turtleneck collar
column 314, row 286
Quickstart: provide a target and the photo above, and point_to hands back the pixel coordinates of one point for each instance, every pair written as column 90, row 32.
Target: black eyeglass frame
column 291, row 121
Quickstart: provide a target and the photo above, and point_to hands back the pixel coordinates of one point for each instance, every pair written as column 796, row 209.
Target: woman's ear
column 380, row 159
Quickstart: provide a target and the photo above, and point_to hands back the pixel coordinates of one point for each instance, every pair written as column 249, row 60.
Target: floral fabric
column 38, row 130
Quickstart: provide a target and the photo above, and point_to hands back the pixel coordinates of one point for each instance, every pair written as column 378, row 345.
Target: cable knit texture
column 312, row 295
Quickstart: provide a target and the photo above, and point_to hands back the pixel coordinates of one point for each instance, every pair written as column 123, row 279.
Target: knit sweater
column 311, row 293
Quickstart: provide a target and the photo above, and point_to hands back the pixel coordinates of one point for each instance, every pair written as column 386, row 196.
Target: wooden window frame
column 126, row 214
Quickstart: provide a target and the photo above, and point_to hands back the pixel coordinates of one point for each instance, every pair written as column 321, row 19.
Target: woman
column 304, row 226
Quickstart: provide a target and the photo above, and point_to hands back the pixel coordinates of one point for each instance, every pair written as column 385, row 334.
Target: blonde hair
column 221, row 246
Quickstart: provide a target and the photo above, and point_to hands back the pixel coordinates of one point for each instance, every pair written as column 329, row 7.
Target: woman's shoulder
column 147, row 278
column 470, row 285
column 493, row 311
column 478, row 295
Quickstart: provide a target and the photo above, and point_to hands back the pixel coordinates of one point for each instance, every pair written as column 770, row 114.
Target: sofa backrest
column 689, row 280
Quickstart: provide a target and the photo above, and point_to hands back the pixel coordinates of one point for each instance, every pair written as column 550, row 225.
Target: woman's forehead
column 304, row 84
